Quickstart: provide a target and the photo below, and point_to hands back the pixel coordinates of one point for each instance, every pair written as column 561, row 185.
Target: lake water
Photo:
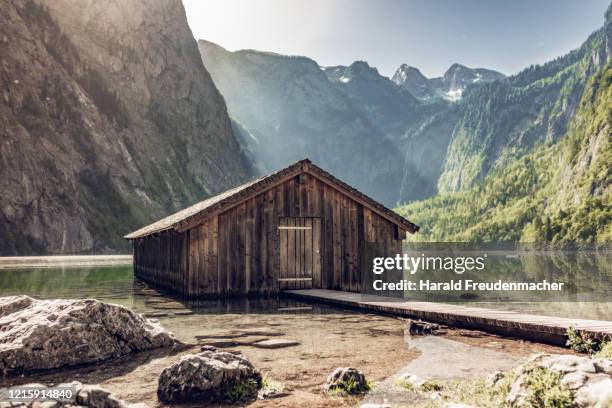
column 325, row 337
column 116, row 284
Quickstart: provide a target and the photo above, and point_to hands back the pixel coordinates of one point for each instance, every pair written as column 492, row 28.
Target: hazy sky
column 429, row 34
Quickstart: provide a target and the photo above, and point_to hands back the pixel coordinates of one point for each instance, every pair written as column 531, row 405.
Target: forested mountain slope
column 560, row 191
column 505, row 119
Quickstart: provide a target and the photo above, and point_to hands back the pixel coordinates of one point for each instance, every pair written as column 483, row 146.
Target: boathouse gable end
column 298, row 228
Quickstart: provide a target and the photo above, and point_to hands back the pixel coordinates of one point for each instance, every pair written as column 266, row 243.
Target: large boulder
column 44, row 334
column 346, row 380
column 210, row 376
column 80, row 395
column 587, row 380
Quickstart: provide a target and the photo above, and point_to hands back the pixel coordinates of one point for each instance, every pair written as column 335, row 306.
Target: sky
column 429, row 34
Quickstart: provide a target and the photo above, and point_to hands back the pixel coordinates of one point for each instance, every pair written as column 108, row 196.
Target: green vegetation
column 427, row 386
column 478, row 393
column 545, row 389
column 556, row 192
column 579, row 343
column 605, row 350
column 470, row 392
column 431, row 385
column 351, row 386
column 242, row 391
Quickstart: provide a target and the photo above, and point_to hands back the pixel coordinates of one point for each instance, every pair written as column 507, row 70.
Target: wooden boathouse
column 298, row 228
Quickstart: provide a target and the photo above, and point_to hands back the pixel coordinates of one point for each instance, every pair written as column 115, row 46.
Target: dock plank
column 546, row 329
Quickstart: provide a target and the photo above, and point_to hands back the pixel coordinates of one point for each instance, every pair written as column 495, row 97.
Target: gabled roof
column 199, row 212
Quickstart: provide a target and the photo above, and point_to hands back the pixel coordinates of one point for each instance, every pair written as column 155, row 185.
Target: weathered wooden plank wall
column 238, row 251
column 161, row 259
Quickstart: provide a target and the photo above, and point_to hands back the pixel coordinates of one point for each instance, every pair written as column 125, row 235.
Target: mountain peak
column 458, row 77
column 411, row 79
column 458, row 69
column 362, row 68
column 406, row 70
column 450, row 86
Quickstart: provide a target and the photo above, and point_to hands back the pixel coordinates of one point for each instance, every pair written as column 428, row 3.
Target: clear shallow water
column 116, row 284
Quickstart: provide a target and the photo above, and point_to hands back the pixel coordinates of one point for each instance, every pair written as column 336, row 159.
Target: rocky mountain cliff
column 288, row 110
column 108, row 119
column 420, row 130
column 387, row 106
column 450, row 86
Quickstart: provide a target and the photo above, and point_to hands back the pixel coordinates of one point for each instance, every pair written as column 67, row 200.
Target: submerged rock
column 210, row 376
column 421, row 327
column 275, row 343
column 588, row 379
column 81, row 395
column 412, row 379
column 347, row 380
column 271, row 394
column 44, row 334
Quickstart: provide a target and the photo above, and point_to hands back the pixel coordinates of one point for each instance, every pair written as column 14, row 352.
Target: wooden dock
column 545, row 329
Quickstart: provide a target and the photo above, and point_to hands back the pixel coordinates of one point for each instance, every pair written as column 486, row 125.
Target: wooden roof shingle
column 199, row 212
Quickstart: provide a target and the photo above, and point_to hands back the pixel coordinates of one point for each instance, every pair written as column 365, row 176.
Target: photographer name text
column 465, row 284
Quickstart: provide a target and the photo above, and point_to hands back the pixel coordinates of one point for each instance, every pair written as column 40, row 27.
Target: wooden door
column 299, row 253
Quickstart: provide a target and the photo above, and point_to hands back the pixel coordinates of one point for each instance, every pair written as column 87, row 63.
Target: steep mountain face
column 289, row 110
column 450, row 86
column 289, row 107
column 421, row 130
column 504, row 119
column 108, row 121
column 387, row 106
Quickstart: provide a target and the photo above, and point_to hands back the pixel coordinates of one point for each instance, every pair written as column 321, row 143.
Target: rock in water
column 347, row 380
column 210, row 376
column 43, row 334
column 421, row 327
